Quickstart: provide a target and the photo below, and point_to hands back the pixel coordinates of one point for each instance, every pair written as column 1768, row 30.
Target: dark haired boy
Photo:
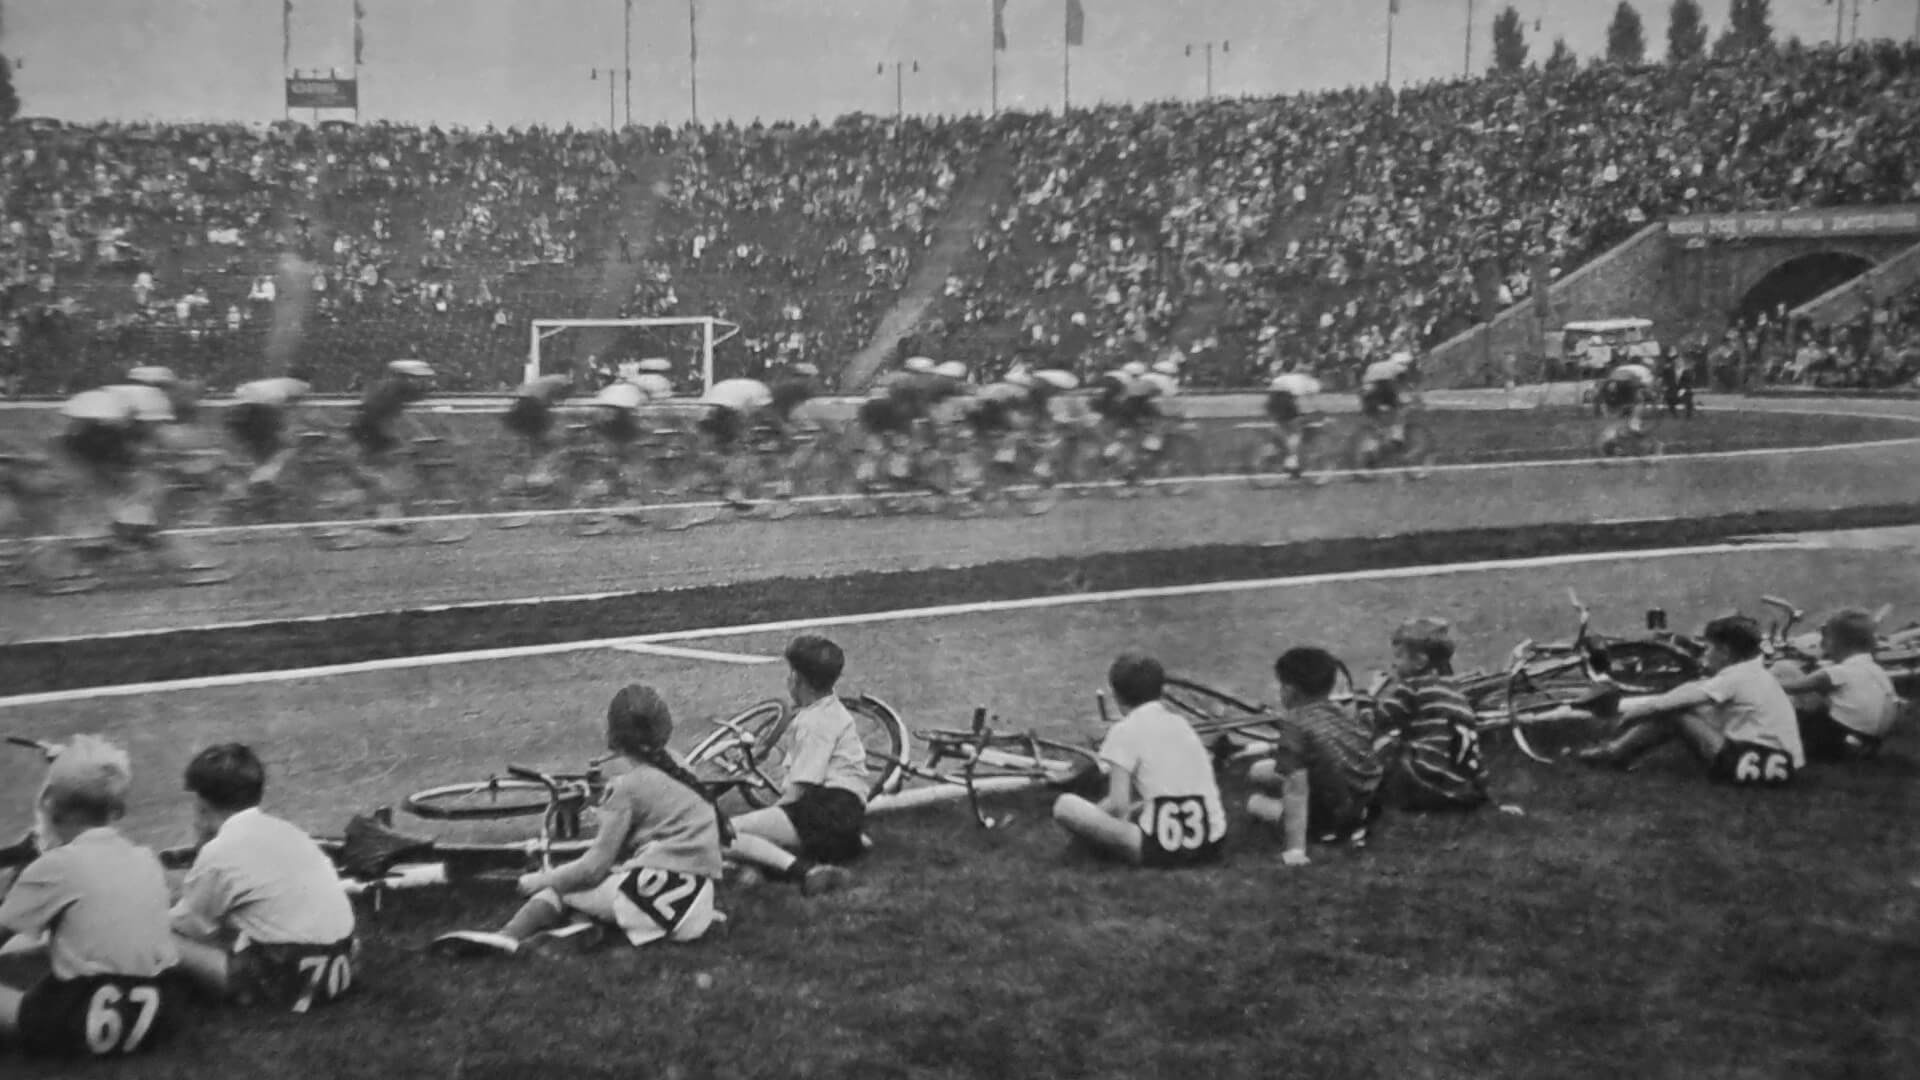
column 819, row 820
column 1738, row 720
column 1323, row 777
column 1162, row 807
column 262, row 918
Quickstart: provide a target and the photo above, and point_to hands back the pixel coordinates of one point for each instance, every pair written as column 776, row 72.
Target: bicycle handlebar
column 1792, row 613
column 49, row 749
column 523, row 773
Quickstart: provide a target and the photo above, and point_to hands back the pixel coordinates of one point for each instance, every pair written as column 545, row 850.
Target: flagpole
column 693, row 61
column 993, row 51
column 627, row 42
column 1392, row 6
column 1468, row 70
column 1066, row 64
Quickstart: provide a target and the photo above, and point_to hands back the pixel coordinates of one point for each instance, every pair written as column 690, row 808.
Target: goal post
column 713, row 332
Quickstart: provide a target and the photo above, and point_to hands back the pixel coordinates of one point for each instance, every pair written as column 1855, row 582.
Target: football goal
column 687, row 342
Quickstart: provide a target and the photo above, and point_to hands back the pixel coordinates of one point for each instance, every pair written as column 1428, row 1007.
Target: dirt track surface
column 282, row 575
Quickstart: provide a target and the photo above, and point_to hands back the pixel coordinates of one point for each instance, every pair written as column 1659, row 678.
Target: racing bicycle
column 982, row 759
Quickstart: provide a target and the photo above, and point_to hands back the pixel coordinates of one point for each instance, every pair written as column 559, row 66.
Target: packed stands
column 1318, row 229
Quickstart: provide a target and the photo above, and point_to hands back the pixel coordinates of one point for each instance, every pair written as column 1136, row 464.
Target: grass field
column 1642, row 925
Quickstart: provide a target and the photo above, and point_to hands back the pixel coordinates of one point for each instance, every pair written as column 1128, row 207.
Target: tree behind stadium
column 9, row 100
column 1749, row 29
column 1686, row 32
column 1626, row 36
column 1561, row 59
column 1509, row 41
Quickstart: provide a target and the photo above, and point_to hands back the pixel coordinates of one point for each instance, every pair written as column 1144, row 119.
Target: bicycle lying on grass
column 981, row 760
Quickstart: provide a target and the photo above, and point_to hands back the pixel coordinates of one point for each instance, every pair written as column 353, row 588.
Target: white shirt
column 121, row 404
column 1295, row 383
column 740, row 395
column 280, row 391
column 1751, row 708
column 621, row 395
column 1863, row 697
column 1166, row 759
column 102, row 901
column 268, row 881
column 824, row 748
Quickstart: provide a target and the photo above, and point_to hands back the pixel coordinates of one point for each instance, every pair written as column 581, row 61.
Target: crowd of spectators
column 1318, row 229
column 1878, row 349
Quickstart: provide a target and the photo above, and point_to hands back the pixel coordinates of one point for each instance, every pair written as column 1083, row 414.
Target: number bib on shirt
column 1178, row 831
column 98, row 1016
column 1751, row 765
column 292, row 977
column 665, row 896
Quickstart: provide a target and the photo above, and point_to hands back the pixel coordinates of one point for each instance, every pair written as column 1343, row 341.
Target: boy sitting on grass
column 820, row 819
column 1738, row 720
column 262, row 918
column 1846, row 705
column 101, row 987
column 1162, row 807
column 1424, row 730
column 1323, row 776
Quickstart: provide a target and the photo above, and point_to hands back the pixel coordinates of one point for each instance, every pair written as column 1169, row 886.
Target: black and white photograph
column 947, row 539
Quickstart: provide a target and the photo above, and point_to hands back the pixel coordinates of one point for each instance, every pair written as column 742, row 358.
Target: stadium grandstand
column 1317, row 228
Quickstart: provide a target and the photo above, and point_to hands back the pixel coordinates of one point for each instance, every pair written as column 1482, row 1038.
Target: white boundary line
column 1464, row 467
column 646, row 648
column 945, row 611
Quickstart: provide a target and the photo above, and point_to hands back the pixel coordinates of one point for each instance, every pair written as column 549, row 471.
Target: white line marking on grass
column 1035, row 603
column 645, row 648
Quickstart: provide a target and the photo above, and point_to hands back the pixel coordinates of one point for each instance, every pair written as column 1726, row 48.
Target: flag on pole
column 999, row 25
column 1393, row 7
column 1077, row 23
column 359, row 39
column 286, row 31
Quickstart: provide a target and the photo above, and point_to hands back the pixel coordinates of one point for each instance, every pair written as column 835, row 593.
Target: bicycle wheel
column 492, row 799
column 1548, row 722
column 1260, row 456
column 884, row 735
column 1649, row 667
column 745, row 748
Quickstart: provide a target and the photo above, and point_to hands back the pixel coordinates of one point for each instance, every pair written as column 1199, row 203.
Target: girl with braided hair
column 652, row 867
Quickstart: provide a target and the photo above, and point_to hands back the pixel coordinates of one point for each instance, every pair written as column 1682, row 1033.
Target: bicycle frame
column 974, row 748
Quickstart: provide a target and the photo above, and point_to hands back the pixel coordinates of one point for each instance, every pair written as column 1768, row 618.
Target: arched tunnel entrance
column 1799, row 280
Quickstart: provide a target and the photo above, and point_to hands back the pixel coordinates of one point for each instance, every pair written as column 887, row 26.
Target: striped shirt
column 1433, row 726
column 1335, row 748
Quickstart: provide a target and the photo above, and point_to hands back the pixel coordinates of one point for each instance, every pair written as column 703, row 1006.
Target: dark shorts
column 99, row 445
column 98, row 1016
column 258, row 428
column 1749, row 765
column 723, row 425
column 529, row 418
column 1282, row 407
column 884, row 416
column 829, row 822
column 291, row 978
column 373, row 436
column 1378, row 399
column 1826, row 740
column 1174, row 833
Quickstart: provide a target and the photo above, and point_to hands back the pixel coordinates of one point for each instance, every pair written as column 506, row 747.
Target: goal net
column 597, row 351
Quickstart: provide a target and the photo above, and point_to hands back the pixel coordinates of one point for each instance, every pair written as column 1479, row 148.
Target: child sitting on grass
column 1162, row 807
column 1738, row 720
column 102, row 986
column 653, row 864
column 1323, row 776
column 1424, row 730
column 1846, row 705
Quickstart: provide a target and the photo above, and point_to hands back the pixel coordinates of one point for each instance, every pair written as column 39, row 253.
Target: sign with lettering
column 1795, row 224
column 323, row 94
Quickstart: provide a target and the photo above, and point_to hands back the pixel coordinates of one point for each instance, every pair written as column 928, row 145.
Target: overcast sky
column 507, row 62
